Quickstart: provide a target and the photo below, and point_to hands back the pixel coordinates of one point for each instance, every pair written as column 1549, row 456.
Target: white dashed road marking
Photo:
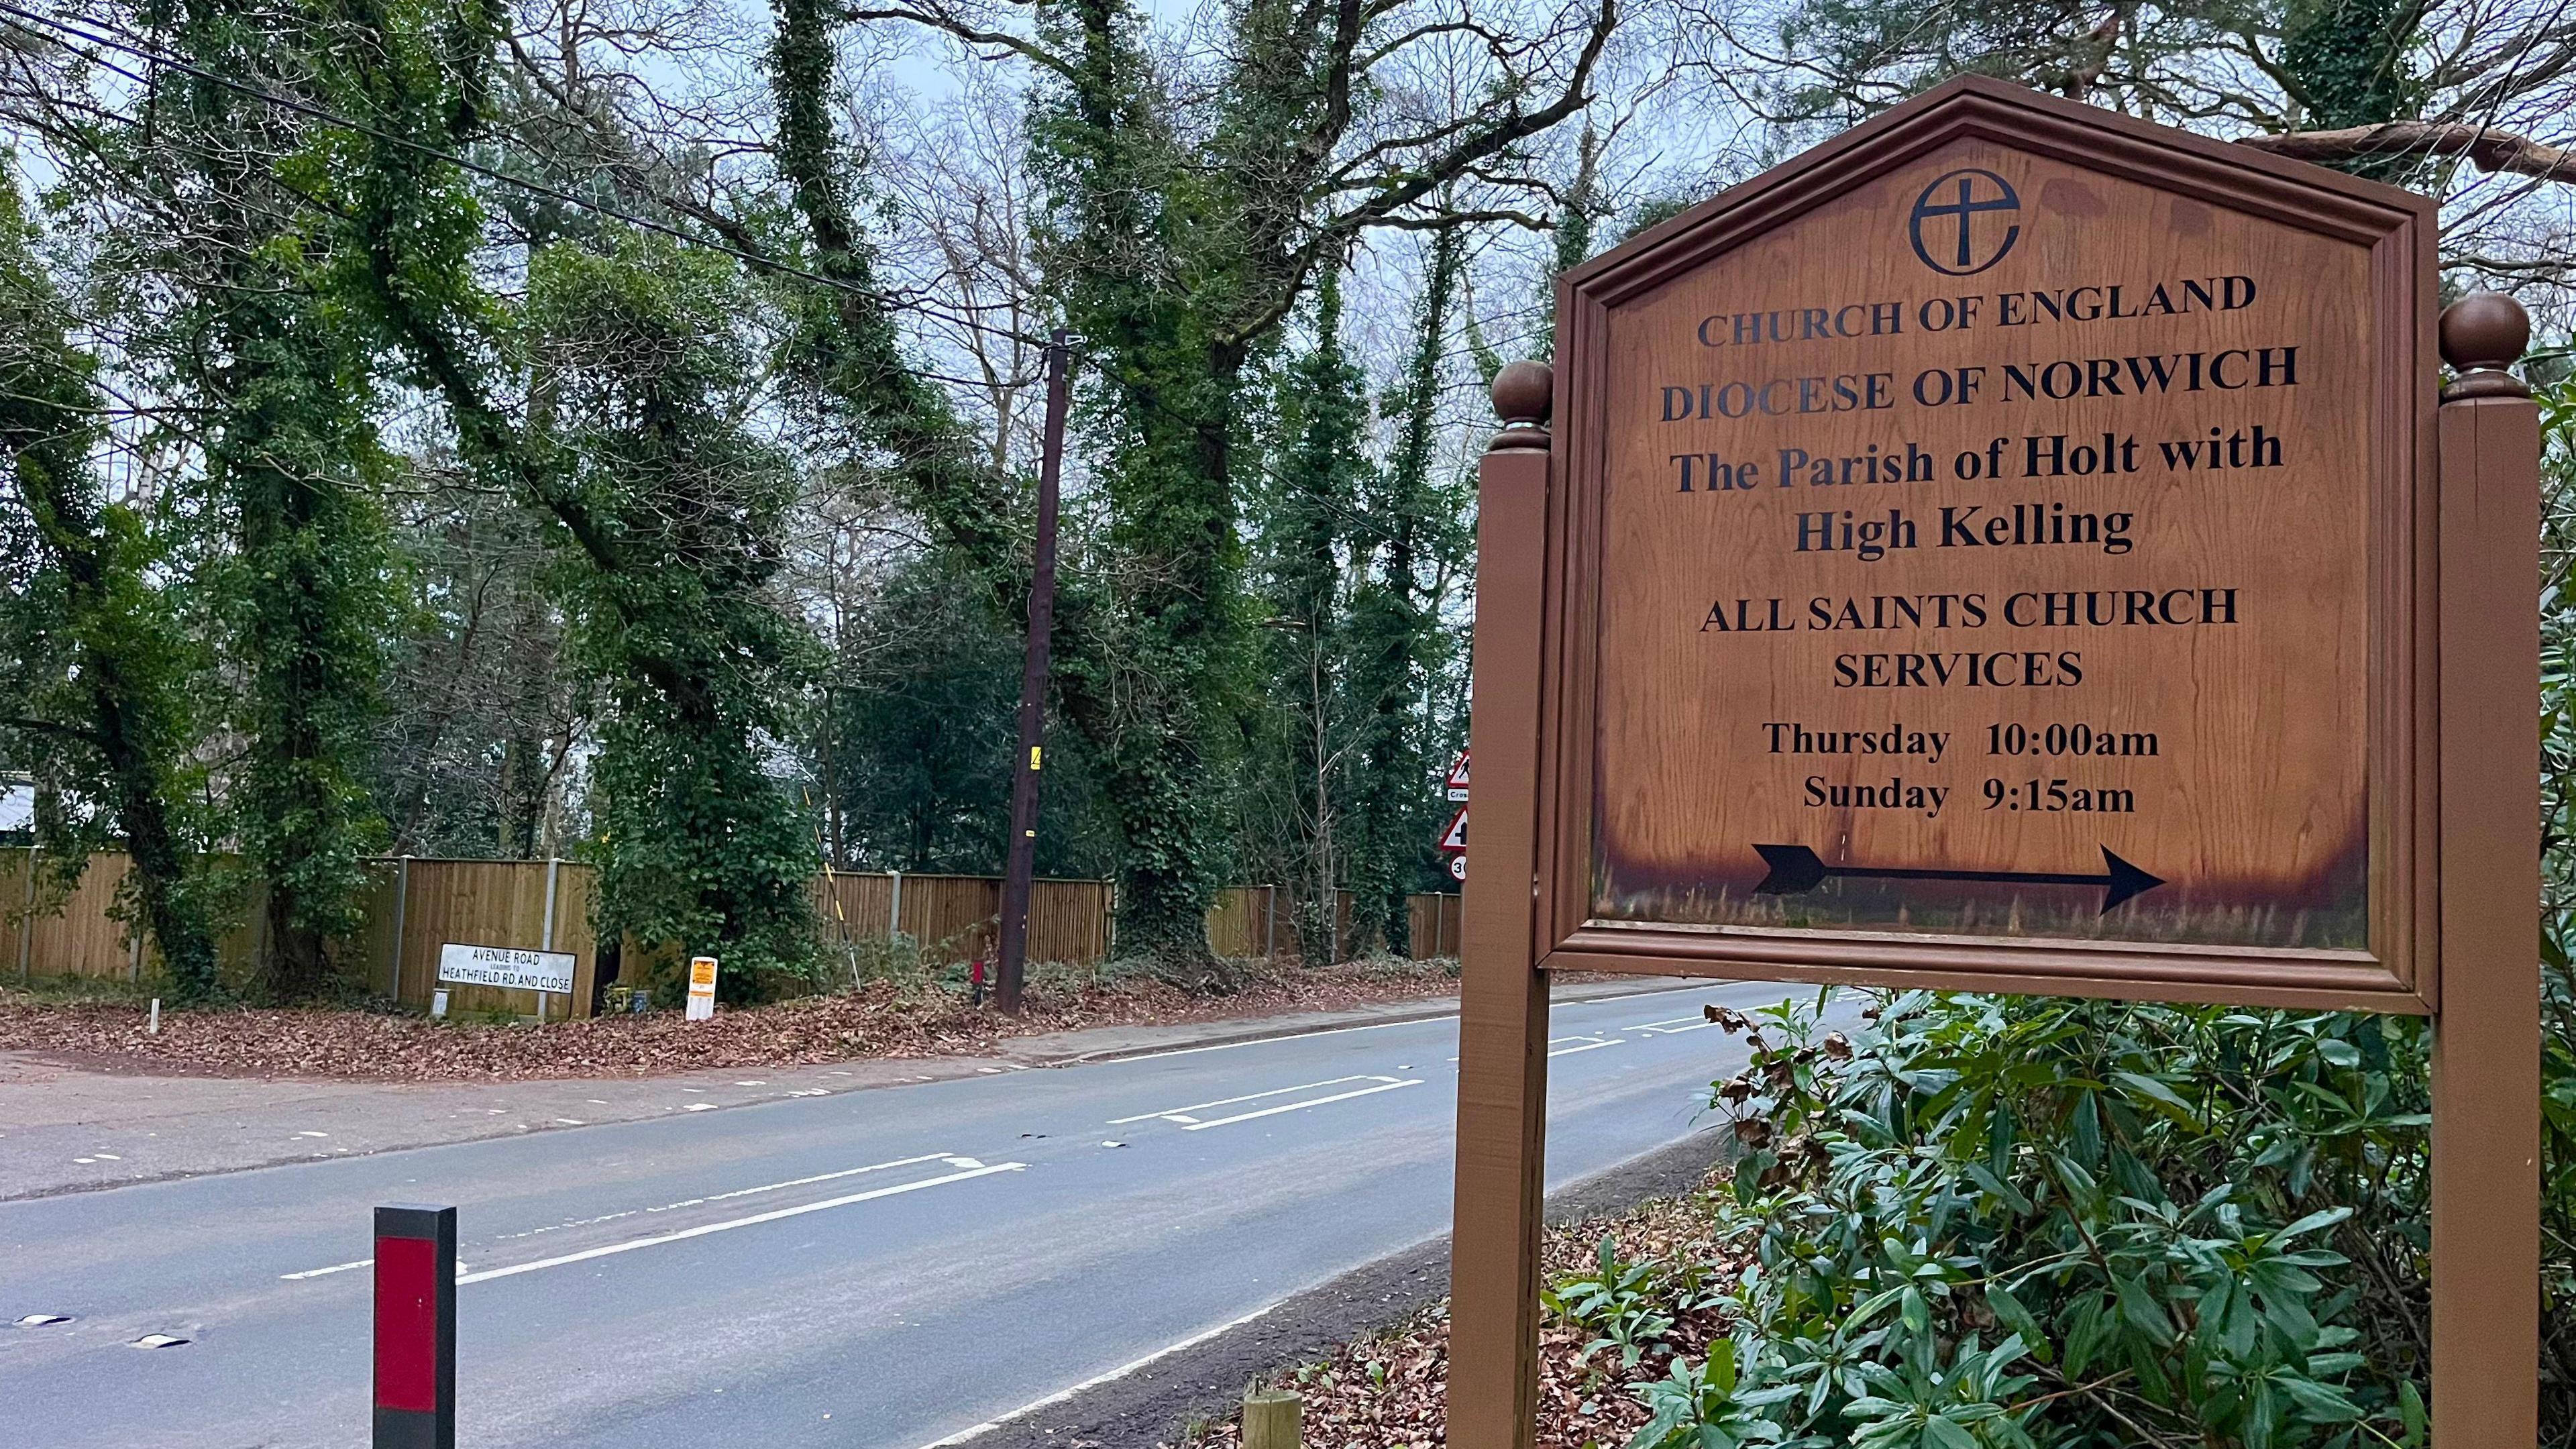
column 1182, row 1116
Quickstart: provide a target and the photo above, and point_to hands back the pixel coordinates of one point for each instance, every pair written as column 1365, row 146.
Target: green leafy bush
column 1986, row 1222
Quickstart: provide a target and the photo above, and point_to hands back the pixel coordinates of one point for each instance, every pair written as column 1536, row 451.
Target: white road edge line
column 1301, row 1106
column 1123, row 1370
column 705, row 1228
column 1248, row 1097
column 1674, row 1027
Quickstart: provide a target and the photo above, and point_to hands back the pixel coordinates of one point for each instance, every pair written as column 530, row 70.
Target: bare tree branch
column 2489, row 150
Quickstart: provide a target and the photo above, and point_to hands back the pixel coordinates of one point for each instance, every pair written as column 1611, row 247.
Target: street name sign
column 505, row 966
column 2014, row 547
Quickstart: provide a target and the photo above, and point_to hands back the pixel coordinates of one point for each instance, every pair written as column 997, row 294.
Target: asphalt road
column 880, row 1270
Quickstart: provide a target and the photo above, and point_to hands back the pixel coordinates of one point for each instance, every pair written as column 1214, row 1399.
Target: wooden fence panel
column 573, row 932
column 374, row 954
column 1434, row 921
column 1279, row 926
column 953, row 916
column 17, row 932
column 79, row 937
column 1240, row 923
column 491, row 903
column 855, row 905
column 1069, row 922
column 84, row 934
column 950, row 917
column 412, row 907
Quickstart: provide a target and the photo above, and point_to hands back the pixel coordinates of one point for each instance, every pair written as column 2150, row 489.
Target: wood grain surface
column 1991, row 556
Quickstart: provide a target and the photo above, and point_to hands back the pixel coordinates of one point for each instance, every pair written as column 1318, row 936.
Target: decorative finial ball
column 1524, row 392
column 2483, row 330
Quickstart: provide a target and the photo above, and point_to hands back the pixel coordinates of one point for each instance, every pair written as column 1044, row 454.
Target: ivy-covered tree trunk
column 312, row 618
column 1323, row 480
column 1159, row 406
column 105, row 697
column 1392, row 632
column 846, row 356
column 701, row 848
column 287, row 397
column 2348, row 59
column 665, row 515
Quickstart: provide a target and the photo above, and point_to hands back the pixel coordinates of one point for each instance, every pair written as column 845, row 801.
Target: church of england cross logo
column 1954, row 201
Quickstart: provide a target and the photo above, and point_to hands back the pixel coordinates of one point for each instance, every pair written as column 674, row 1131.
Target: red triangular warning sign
column 1455, row 837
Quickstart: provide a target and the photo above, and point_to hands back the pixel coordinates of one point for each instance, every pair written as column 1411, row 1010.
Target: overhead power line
column 130, row 44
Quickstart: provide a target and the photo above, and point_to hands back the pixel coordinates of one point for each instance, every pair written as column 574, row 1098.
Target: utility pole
column 1031, row 758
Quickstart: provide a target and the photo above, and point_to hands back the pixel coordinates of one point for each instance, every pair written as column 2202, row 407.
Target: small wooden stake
column 1271, row 1419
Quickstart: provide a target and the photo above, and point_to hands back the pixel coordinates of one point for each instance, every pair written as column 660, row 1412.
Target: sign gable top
column 2221, row 173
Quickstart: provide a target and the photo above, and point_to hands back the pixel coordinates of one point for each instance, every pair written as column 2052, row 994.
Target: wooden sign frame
column 2452, row 758
column 2400, row 970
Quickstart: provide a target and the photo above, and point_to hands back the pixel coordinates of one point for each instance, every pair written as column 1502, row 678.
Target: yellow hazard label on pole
column 702, row 987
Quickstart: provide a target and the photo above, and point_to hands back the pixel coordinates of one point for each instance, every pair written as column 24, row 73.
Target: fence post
column 415, row 1346
column 546, row 932
column 1270, row 1420
column 894, row 912
column 27, row 922
column 402, row 907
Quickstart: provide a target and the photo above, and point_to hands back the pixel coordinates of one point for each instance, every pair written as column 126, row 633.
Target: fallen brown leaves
column 1384, row 1391
column 880, row 1019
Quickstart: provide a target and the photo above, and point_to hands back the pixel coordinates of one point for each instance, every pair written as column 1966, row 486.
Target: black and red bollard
column 415, row 1327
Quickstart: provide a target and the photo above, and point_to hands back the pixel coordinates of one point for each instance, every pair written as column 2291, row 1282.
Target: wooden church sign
column 2013, row 547
column 1991, row 546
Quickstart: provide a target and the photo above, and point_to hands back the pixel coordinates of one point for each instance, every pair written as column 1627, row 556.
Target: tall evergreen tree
column 291, row 459
column 701, row 846
column 665, row 514
column 99, row 667
column 1413, row 529
column 1323, row 478
column 1145, row 281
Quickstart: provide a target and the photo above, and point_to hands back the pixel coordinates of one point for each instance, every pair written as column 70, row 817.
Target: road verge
column 1153, row 1401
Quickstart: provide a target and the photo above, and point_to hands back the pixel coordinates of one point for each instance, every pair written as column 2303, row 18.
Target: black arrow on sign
column 1796, row 870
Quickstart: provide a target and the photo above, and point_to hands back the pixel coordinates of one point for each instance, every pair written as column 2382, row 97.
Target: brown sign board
column 1992, row 543
column 2012, row 547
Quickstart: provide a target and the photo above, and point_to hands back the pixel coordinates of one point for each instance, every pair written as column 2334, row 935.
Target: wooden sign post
column 2012, row 547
